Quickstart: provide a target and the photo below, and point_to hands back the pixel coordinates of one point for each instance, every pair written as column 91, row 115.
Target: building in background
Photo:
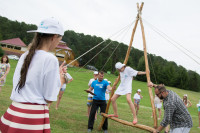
column 17, row 47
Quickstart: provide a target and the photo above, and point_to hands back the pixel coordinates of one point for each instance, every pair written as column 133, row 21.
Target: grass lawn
column 71, row 116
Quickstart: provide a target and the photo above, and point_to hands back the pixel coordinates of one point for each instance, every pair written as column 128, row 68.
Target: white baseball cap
column 49, row 26
column 119, row 65
column 139, row 90
column 109, row 82
column 95, row 72
column 185, row 95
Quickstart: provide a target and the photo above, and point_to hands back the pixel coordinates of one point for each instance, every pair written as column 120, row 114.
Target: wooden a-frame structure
column 150, row 129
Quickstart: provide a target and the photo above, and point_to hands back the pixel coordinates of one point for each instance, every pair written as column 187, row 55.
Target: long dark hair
column 185, row 100
column 36, row 43
column 7, row 61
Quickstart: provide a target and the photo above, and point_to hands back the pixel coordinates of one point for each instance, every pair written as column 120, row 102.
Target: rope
column 97, row 45
column 168, row 39
column 148, row 55
column 115, row 49
column 174, row 41
column 95, row 56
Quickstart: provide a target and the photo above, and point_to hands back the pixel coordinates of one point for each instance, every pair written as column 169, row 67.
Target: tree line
column 161, row 70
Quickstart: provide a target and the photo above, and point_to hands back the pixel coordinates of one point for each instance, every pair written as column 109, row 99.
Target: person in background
column 90, row 96
column 65, row 78
column 198, row 106
column 4, row 70
column 137, row 97
column 36, row 83
column 186, row 101
column 107, row 93
column 158, row 105
column 99, row 100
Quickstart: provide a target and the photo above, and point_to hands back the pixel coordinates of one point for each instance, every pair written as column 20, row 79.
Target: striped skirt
column 25, row 118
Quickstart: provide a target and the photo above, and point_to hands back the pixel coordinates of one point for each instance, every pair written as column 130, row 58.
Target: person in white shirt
column 90, row 96
column 36, row 82
column 107, row 95
column 137, row 97
column 65, row 78
column 158, row 105
column 125, row 88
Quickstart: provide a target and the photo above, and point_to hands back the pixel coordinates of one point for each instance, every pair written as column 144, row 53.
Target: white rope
column 106, row 46
column 95, row 55
column 97, row 45
column 174, row 40
column 115, row 49
column 168, row 39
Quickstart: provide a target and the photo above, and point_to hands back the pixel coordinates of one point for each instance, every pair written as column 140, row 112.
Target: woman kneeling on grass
column 36, row 82
column 125, row 88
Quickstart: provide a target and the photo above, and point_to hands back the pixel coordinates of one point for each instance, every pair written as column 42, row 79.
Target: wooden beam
column 148, row 73
column 144, row 127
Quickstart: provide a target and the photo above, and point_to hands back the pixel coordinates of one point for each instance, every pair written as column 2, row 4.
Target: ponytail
column 36, row 44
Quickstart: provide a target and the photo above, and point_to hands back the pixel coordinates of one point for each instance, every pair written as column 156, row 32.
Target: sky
column 177, row 19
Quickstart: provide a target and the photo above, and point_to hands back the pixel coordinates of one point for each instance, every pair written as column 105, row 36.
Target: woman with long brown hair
column 36, row 82
column 4, row 70
column 186, row 101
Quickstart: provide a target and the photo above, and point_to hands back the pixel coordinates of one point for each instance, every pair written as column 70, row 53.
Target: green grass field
column 71, row 116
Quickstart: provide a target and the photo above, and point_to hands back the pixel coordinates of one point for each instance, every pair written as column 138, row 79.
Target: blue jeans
column 180, row 130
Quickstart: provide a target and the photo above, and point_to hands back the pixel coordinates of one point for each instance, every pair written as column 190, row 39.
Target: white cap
column 49, row 26
column 95, row 72
column 119, row 65
column 106, row 79
column 185, row 95
column 139, row 90
column 109, row 82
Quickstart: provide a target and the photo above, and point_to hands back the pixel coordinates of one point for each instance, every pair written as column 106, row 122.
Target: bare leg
column 138, row 106
column 135, row 107
column 88, row 111
column 199, row 119
column 59, row 98
column 114, row 104
column 167, row 129
column 49, row 105
column 132, row 107
column 96, row 116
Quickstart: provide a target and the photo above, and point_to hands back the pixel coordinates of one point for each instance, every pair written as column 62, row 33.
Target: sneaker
column 105, row 131
column 89, row 130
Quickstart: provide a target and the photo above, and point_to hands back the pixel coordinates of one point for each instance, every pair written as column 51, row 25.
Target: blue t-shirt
column 99, row 89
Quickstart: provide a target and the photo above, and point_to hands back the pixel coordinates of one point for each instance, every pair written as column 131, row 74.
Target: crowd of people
column 36, row 86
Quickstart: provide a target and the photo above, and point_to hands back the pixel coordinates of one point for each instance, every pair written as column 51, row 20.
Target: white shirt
column 42, row 80
column 157, row 100
column 136, row 96
column 126, row 78
column 107, row 95
column 67, row 77
column 89, row 84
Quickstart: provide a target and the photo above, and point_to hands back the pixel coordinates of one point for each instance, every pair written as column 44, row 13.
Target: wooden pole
column 144, row 127
column 148, row 74
column 125, row 61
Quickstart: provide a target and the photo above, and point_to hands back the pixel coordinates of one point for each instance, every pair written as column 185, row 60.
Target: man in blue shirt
column 99, row 100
